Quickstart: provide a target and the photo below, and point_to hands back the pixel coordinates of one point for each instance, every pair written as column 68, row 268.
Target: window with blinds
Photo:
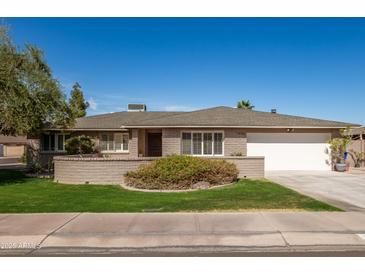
column 114, row 142
column 54, row 142
column 202, row 143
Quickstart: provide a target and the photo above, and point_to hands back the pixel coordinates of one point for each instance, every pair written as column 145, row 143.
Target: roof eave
column 215, row 126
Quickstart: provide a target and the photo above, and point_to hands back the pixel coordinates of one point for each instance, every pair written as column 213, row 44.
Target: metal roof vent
column 273, row 110
column 137, row 107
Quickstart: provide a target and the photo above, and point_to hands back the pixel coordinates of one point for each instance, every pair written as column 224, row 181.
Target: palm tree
column 245, row 104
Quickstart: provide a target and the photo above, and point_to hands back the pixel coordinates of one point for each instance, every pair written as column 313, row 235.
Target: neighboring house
column 287, row 142
column 12, row 146
column 357, row 144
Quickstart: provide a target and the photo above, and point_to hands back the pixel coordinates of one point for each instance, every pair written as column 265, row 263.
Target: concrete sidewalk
column 32, row 234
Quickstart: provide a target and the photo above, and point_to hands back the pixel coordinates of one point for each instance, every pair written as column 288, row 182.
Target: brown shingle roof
column 118, row 119
column 211, row 117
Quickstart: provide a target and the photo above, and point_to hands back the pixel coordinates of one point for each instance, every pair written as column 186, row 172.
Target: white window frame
column 202, row 142
column 55, row 142
column 113, row 150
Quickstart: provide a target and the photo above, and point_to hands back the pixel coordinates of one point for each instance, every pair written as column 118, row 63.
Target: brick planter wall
column 76, row 170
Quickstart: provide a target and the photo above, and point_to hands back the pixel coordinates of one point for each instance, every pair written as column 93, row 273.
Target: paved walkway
column 37, row 233
column 344, row 190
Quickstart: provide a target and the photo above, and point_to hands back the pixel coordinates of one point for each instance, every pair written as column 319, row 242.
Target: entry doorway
column 154, row 141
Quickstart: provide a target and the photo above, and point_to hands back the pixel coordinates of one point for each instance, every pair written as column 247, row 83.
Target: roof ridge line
column 185, row 112
column 126, row 111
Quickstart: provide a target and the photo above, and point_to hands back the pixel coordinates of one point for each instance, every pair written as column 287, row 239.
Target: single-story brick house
column 287, row 142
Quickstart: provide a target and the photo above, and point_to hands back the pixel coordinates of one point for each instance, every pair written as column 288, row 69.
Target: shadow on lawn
column 8, row 177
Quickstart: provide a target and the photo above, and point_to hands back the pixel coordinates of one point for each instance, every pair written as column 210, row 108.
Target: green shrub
column 79, row 145
column 36, row 167
column 181, row 172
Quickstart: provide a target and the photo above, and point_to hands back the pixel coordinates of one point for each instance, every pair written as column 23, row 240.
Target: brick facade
column 133, row 143
column 170, row 141
column 235, row 141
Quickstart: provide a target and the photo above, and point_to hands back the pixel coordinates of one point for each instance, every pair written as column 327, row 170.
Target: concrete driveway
column 344, row 190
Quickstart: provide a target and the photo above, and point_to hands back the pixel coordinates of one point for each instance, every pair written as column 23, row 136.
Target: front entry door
column 154, row 144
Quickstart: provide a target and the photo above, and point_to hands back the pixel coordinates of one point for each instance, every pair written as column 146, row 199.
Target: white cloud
column 178, row 108
column 92, row 104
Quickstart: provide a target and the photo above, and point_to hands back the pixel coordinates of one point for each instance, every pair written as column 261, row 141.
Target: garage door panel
column 300, row 151
column 304, row 138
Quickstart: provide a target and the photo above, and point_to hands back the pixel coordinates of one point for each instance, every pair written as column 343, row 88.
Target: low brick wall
column 76, row 170
column 248, row 167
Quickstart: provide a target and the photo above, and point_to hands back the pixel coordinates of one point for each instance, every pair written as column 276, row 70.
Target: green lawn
column 19, row 193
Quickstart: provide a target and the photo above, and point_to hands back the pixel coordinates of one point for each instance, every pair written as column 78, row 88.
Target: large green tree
column 30, row 97
column 77, row 103
column 245, row 104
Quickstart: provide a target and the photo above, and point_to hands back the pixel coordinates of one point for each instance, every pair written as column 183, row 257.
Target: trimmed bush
column 79, row 145
column 181, row 172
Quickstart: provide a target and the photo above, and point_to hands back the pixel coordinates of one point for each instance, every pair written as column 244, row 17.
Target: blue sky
column 302, row 66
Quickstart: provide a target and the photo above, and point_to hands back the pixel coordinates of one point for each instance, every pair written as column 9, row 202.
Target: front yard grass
column 21, row 194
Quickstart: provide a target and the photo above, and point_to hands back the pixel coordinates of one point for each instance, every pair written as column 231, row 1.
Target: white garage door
column 290, row 151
